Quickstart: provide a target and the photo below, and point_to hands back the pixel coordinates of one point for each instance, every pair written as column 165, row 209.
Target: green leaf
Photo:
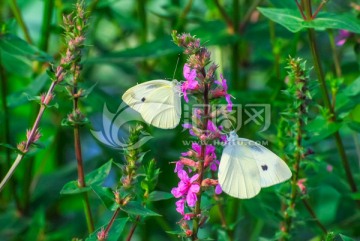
column 218, row 31
column 320, row 128
column 348, row 98
column 106, row 195
column 155, row 49
column 293, row 21
column 135, row 208
column 37, row 226
column 341, row 237
column 355, row 196
column 18, row 98
column 354, row 126
column 353, row 89
column 326, row 202
column 158, row 195
column 16, row 46
column 283, row 4
column 114, row 233
column 16, row 64
column 12, row 148
column 94, row 178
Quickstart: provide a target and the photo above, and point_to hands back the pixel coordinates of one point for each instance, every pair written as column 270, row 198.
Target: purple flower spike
column 190, row 83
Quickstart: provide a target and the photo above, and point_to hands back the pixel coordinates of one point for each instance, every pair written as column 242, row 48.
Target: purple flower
column 222, row 83
column 190, row 83
column 214, row 165
column 218, row 189
column 228, row 99
column 178, row 166
column 224, row 86
column 189, row 126
column 210, row 149
column 180, row 206
column 187, row 187
column 341, row 38
column 211, row 126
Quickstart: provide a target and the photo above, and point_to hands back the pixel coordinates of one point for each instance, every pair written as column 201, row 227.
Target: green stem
column 247, row 15
column 143, row 20
column 274, row 49
column 335, row 54
column 46, row 24
column 92, row 6
column 229, row 22
column 313, row 215
column 182, row 19
column 235, row 57
column 17, row 14
column 326, row 98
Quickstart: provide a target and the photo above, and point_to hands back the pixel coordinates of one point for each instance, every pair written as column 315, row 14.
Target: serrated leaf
column 114, row 233
column 94, row 178
column 135, row 208
column 158, row 195
column 107, row 197
column 293, row 21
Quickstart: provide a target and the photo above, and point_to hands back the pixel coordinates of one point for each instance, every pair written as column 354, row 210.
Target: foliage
column 63, row 70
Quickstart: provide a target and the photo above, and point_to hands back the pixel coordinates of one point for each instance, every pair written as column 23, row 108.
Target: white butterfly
column 158, row 102
column 246, row 167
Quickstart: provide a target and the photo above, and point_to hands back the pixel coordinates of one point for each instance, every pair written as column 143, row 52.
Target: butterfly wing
column 157, row 101
column 238, row 172
column 272, row 168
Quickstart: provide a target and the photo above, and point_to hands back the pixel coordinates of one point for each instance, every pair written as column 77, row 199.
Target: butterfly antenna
column 177, row 62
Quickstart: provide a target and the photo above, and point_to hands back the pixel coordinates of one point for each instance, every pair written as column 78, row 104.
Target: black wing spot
column 143, row 99
column 264, row 167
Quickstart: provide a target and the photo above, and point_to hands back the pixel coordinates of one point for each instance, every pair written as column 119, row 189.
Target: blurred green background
column 129, row 42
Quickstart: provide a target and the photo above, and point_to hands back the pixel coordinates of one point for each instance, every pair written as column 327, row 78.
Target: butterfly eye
column 264, row 167
column 143, row 99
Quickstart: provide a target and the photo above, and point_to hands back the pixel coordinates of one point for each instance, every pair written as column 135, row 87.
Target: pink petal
column 191, row 199
column 194, row 178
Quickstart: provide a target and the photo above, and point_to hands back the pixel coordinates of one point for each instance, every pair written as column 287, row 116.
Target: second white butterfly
column 246, row 167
